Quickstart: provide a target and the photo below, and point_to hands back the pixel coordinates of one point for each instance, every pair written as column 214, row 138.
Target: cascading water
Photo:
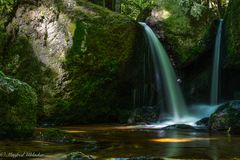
column 216, row 61
column 164, row 71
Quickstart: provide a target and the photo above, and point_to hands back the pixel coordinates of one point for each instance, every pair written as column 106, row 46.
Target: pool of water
column 114, row 142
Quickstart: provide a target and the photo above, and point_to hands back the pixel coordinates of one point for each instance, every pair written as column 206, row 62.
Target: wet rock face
column 17, row 108
column 226, row 118
column 47, row 30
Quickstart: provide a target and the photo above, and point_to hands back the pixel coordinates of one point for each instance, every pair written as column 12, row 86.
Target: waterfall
column 216, row 61
column 164, row 74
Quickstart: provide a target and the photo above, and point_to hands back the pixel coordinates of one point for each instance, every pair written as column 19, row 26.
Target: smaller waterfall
column 216, row 62
column 164, row 71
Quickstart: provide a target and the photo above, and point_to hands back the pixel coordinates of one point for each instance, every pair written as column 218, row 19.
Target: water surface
column 114, row 142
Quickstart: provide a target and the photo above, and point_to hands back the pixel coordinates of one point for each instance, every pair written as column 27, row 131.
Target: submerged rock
column 179, row 126
column 203, row 122
column 17, row 108
column 226, row 118
column 79, row 156
column 145, row 115
column 56, row 135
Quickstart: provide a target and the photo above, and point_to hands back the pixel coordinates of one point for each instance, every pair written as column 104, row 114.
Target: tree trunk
column 117, row 5
column 104, row 3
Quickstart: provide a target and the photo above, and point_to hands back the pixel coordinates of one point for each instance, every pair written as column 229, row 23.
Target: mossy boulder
column 226, row 118
column 17, row 108
column 102, row 45
column 232, row 25
column 75, row 56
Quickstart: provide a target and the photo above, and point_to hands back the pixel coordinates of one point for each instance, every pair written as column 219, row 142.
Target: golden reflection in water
column 179, row 140
column 74, row 131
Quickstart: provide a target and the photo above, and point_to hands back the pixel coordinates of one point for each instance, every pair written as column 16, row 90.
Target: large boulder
column 74, row 53
column 226, row 118
column 17, row 108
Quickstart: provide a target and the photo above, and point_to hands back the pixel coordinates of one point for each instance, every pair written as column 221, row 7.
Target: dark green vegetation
column 231, row 58
column 232, row 35
column 18, row 108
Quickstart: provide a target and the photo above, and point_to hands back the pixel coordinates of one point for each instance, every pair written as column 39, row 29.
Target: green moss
column 102, row 43
column 186, row 34
column 19, row 61
column 232, row 36
column 18, row 108
column 226, row 116
column 72, row 27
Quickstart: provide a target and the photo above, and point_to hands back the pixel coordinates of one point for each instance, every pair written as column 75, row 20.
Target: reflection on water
column 180, row 140
column 107, row 142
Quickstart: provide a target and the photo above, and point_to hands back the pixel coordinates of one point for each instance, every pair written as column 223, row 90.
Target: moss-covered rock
column 74, row 56
column 226, row 118
column 17, row 108
column 102, row 44
column 232, row 24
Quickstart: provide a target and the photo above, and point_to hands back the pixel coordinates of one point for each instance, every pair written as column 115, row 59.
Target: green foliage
column 194, row 8
column 186, row 33
column 6, row 6
column 133, row 8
